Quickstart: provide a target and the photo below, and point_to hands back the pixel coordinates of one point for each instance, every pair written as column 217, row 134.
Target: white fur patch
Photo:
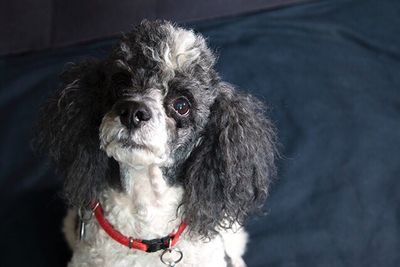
column 182, row 50
column 235, row 241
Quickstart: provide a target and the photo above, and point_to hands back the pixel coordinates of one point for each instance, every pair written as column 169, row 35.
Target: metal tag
column 82, row 229
column 84, row 217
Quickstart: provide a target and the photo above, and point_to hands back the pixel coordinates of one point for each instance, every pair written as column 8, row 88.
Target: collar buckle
column 154, row 245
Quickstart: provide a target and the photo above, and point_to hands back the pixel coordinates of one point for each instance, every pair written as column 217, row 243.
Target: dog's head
column 158, row 100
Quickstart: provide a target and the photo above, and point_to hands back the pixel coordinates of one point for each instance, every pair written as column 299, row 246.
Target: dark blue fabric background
column 330, row 73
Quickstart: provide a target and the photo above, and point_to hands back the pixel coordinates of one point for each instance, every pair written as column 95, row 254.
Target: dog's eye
column 181, row 106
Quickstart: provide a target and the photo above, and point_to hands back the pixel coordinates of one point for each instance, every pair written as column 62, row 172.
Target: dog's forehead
column 159, row 52
column 163, row 45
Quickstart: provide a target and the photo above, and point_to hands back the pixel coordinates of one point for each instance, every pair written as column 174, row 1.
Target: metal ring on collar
column 173, row 262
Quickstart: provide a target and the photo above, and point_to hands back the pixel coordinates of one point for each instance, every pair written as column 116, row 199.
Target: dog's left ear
column 227, row 175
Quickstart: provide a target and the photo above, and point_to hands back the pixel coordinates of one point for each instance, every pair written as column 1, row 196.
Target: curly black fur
column 227, row 176
column 69, row 125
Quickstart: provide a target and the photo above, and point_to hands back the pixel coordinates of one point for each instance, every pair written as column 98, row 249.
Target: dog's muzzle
column 132, row 114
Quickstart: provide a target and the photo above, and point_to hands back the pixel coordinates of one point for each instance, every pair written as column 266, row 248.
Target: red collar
column 144, row 245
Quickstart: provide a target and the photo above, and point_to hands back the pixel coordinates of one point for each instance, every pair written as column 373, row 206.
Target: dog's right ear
column 69, row 132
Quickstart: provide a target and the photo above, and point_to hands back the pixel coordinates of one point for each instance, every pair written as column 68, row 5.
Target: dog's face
column 157, row 100
column 160, row 93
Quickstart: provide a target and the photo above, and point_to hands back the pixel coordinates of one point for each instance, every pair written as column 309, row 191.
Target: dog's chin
column 133, row 154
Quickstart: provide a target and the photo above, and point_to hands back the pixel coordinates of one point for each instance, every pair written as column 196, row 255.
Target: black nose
column 132, row 113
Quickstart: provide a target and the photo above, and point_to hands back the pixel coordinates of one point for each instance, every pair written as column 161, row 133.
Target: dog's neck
column 147, row 207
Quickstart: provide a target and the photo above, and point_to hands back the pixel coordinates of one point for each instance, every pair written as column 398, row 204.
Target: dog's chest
column 147, row 209
column 100, row 250
column 105, row 252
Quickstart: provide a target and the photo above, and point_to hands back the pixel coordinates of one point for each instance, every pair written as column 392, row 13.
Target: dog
column 162, row 160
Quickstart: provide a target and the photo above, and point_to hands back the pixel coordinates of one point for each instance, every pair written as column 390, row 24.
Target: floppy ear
column 227, row 176
column 69, row 132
